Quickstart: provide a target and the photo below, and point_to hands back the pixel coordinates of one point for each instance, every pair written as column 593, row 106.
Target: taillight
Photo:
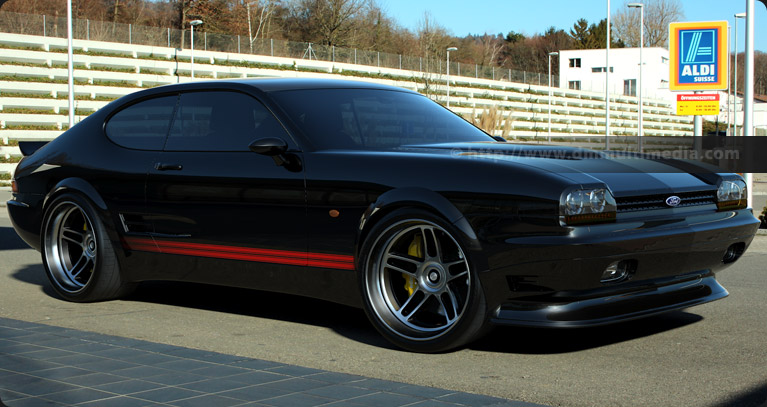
column 14, row 187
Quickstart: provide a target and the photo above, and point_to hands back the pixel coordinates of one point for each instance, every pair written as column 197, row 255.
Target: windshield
column 373, row 119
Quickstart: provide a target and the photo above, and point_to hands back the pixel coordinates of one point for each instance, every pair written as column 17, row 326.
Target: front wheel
column 77, row 254
column 419, row 287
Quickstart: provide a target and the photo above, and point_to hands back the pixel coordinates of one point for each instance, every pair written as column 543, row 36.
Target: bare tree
column 491, row 46
column 433, row 39
column 373, row 29
column 328, row 22
column 760, row 73
column 264, row 11
column 658, row 14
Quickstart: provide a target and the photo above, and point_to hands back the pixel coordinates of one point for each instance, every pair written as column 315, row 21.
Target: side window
column 220, row 121
column 144, row 125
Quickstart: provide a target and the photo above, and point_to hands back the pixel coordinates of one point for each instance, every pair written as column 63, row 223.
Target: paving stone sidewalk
column 43, row 365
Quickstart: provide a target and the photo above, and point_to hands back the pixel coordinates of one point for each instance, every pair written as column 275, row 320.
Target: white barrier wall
column 33, row 90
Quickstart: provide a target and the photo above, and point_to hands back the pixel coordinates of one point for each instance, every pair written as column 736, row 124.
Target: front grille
column 650, row 202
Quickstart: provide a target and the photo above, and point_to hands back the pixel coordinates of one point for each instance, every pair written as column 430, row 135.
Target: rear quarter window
column 144, row 125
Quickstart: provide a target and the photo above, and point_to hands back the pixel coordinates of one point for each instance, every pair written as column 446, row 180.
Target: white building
column 585, row 69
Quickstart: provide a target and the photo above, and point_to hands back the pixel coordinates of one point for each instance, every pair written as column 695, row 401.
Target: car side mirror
column 269, row 146
column 277, row 149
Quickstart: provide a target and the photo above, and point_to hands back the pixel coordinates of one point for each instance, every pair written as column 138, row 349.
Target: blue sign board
column 698, row 56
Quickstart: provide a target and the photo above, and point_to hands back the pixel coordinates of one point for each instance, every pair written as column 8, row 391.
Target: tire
column 419, row 288
column 78, row 256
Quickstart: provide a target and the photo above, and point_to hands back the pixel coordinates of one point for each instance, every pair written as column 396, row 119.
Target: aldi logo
column 698, row 46
column 698, row 52
column 698, row 56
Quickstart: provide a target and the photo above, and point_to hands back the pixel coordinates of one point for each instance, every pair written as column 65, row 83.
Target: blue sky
column 535, row 16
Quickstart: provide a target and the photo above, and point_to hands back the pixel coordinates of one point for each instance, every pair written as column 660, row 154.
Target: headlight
column 583, row 206
column 731, row 195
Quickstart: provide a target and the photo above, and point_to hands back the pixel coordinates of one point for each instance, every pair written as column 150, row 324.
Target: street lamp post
column 192, row 24
column 607, row 81
column 735, row 86
column 70, row 67
column 550, row 55
column 729, row 85
column 640, row 6
column 448, row 73
column 748, row 90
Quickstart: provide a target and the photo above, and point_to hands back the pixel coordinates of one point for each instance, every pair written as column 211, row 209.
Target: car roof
column 281, row 84
column 260, row 85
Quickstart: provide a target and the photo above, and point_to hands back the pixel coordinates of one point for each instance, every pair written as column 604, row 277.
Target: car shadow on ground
column 352, row 323
column 347, row 321
column 34, row 274
column 753, row 397
column 9, row 240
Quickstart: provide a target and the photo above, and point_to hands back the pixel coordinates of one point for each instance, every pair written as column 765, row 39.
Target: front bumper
column 613, row 308
column 557, row 280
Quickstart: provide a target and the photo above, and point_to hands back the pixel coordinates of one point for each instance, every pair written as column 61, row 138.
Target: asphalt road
column 711, row 355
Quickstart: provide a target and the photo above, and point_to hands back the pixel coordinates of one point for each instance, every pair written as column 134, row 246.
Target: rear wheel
column 420, row 289
column 77, row 255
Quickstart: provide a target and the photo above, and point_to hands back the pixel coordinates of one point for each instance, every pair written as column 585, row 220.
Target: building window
column 630, row 87
column 574, row 85
column 575, row 62
column 602, row 69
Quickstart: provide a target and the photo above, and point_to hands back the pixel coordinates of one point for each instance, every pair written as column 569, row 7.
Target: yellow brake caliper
column 414, row 250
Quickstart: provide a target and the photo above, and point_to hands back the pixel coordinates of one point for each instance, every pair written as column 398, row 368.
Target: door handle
column 166, row 167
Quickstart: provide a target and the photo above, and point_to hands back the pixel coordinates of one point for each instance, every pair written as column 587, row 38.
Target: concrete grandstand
column 33, row 90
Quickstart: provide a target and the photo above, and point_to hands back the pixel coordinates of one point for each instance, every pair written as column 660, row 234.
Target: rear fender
column 77, row 185
column 85, row 189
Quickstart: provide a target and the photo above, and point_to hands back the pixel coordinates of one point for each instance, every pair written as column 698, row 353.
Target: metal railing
column 35, row 24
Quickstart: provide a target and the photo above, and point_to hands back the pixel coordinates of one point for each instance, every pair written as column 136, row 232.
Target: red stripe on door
column 324, row 260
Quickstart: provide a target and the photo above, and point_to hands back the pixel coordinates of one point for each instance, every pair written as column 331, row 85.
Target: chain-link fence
column 34, row 24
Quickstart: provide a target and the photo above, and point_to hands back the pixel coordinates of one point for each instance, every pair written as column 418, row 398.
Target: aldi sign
column 698, row 54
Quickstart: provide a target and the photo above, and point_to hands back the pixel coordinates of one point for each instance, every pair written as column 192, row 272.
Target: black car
column 372, row 196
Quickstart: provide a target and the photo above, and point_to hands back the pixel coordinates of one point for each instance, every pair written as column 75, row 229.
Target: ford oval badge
column 673, row 200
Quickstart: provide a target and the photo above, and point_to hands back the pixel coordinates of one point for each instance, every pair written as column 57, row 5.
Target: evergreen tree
column 580, row 34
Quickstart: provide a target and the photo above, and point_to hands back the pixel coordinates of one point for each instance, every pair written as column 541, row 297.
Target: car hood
column 626, row 174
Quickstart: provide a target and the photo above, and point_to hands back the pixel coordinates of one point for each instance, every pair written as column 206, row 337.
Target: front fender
column 425, row 199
